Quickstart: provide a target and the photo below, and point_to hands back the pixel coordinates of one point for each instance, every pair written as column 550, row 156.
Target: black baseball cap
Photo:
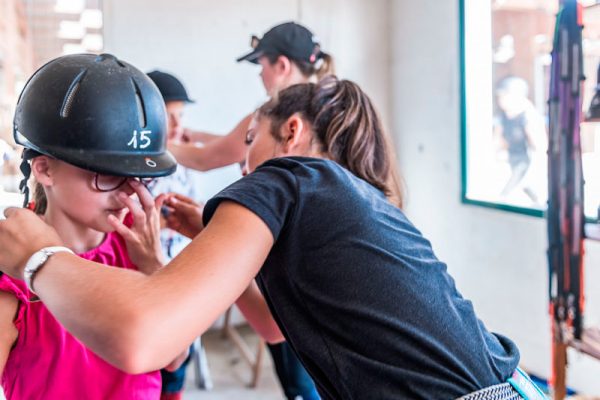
column 289, row 39
column 170, row 87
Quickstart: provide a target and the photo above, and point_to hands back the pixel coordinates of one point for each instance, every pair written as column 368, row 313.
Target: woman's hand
column 183, row 214
column 143, row 237
column 22, row 234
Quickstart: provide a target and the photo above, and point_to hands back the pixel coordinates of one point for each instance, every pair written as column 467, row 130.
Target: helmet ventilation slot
column 140, row 105
column 70, row 96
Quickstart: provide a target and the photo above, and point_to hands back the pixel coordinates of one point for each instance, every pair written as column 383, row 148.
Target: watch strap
column 37, row 261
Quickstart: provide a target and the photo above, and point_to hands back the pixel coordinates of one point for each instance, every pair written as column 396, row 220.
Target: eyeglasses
column 108, row 183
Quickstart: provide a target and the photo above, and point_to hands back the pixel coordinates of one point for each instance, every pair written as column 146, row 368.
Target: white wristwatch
column 37, row 261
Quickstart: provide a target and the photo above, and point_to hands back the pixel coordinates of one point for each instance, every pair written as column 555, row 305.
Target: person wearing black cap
column 170, row 87
column 179, row 184
column 288, row 53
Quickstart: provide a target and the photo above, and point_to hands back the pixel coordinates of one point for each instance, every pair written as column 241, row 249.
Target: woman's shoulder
column 315, row 173
column 297, row 162
column 302, row 167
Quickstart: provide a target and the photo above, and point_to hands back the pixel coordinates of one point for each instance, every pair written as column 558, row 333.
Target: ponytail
column 345, row 126
column 322, row 67
column 326, row 66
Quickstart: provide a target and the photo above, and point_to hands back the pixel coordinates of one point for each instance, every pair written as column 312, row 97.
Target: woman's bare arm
column 220, row 152
column 141, row 323
column 199, row 136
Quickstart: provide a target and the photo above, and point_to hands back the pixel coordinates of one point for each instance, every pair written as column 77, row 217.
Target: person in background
column 288, row 54
column 520, row 131
column 180, row 183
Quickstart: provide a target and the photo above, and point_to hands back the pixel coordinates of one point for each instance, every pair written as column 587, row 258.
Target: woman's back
column 356, row 333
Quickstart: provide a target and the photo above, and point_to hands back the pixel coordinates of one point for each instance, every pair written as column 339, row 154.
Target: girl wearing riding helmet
column 90, row 126
column 288, row 54
column 354, row 287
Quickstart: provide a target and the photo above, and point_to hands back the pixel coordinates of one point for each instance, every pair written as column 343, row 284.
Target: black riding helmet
column 96, row 112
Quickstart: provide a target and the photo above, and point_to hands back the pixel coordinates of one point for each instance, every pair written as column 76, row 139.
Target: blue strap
column 525, row 386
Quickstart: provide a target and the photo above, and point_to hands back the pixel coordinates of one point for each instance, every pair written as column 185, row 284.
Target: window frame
column 533, row 212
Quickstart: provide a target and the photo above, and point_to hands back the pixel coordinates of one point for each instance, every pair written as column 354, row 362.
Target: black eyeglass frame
column 144, row 181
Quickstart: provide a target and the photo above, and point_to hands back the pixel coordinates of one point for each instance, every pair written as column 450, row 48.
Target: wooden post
column 254, row 361
column 559, row 370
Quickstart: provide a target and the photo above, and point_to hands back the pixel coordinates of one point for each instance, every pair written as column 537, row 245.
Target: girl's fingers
column 139, row 216
column 121, row 229
column 143, row 194
column 160, row 200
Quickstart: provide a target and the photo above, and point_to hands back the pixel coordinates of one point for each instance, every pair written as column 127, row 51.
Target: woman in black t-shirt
column 350, row 282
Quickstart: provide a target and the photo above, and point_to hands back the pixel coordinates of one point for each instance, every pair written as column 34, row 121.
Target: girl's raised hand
column 143, row 237
column 183, row 214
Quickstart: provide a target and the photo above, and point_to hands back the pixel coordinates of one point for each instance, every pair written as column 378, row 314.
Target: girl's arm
column 225, row 150
column 141, row 323
column 8, row 331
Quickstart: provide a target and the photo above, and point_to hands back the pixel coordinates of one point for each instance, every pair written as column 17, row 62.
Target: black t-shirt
column 357, row 291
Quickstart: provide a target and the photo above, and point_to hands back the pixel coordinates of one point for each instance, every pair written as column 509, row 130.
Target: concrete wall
column 497, row 258
column 199, row 41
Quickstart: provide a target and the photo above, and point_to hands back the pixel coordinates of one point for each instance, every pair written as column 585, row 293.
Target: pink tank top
column 48, row 363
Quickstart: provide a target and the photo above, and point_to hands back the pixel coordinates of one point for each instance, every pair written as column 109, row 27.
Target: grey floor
column 230, row 374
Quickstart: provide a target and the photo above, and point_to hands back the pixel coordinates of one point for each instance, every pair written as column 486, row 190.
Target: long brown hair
column 346, row 126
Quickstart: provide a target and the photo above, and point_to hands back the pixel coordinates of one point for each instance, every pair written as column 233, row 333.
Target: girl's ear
column 41, row 169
